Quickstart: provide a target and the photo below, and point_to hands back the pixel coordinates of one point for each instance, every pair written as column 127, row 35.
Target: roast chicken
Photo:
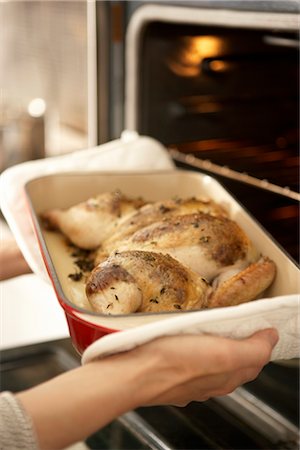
column 171, row 255
column 143, row 281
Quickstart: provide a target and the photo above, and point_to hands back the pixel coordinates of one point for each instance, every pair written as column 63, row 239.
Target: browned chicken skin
column 88, row 223
column 137, row 281
column 170, row 255
column 206, row 244
column 160, row 211
column 141, row 281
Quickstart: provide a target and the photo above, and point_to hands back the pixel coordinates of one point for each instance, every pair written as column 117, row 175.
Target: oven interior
column 229, row 97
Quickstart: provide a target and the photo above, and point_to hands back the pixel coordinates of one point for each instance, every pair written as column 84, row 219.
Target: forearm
column 76, row 404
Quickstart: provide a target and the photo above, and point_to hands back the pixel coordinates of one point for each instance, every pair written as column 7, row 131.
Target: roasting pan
column 67, row 189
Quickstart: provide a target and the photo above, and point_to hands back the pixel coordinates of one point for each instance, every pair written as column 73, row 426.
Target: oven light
column 193, row 50
column 205, row 46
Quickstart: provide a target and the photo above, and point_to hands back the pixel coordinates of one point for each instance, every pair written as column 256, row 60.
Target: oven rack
column 207, row 165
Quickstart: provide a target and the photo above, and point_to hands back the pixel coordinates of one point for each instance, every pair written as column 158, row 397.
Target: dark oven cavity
column 227, row 95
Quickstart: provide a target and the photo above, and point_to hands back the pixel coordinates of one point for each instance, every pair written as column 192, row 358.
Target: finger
column 254, row 351
column 270, row 334
column 213, row 355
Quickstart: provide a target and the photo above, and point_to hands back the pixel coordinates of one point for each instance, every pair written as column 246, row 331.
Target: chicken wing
column 88, row 223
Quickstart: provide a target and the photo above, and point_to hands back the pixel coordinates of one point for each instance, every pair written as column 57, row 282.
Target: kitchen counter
column 30, row 312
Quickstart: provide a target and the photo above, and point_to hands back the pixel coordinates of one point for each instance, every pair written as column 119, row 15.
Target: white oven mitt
column 130, row 152
column 235, row 322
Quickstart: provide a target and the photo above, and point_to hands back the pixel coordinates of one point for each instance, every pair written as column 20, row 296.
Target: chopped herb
column 116, row 297
column 163, row 290
column 164, row 209
column 177, row 306
column 153, row 300
column 80, row 252
column 85, row 265
column 75, row 276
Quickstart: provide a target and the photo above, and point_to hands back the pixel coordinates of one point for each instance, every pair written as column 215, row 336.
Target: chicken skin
column 88, row 223
column 206, row 244
column 160, row 211
column 140, row 281
column 137, row 281
column 243, row 286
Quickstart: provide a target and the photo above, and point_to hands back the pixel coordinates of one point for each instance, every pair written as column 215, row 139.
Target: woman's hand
column 195, row 368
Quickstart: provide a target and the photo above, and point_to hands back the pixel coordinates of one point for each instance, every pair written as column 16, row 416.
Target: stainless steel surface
column 260, row 416
column 22, row 137
column 47, row 53
column 144, row 432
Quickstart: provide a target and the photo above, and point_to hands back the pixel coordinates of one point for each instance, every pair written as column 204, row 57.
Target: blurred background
column 43, row 71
